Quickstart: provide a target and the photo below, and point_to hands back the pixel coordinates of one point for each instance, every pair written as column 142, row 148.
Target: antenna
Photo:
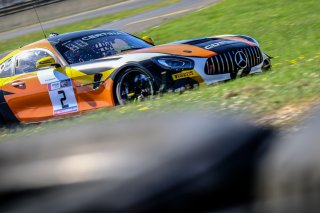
column 44, row 34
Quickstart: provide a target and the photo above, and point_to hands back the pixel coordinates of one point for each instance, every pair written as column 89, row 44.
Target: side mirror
column 46, row 62
column 148, row 39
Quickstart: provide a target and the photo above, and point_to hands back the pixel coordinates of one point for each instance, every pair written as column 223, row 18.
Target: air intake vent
column 226, row 62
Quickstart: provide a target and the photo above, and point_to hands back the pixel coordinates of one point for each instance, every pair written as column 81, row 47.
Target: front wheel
column 134, row 84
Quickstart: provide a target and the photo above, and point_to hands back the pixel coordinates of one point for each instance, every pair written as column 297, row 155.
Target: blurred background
column 20, row 13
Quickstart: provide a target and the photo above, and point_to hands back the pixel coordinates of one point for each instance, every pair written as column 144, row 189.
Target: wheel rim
column 134, row 85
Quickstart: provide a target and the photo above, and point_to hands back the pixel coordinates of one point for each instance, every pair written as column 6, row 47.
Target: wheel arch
column 115, row 76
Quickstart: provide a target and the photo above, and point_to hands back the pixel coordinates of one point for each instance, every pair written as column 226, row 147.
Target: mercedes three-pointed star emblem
column 241, row 59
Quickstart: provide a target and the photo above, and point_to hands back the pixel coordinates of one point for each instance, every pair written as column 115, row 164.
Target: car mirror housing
column 46, row 62
column 148, row 39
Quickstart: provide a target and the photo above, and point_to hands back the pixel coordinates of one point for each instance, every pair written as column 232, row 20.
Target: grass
column 10, row 44
column 288, row 30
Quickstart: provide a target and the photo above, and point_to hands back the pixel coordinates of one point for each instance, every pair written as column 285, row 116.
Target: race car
column 68, row 74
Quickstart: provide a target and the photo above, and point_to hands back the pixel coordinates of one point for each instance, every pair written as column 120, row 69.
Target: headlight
column 175, row 63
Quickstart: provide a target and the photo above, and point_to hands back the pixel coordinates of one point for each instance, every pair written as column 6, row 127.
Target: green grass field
column 288, row 30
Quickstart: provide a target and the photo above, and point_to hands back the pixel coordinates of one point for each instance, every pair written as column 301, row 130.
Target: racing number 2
column 61, row 92
column 62, row 99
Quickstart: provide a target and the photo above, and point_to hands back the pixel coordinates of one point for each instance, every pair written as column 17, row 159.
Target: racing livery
column 72, row 73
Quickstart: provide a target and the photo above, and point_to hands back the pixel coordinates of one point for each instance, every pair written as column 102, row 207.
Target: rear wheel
column 134, row 84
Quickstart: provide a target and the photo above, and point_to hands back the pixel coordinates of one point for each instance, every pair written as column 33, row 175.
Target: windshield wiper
column 134, row 48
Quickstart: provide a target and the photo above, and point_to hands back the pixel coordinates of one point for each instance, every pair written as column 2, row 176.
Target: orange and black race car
column 68, row 74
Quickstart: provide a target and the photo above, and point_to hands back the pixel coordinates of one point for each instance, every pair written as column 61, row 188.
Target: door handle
column 18, row 84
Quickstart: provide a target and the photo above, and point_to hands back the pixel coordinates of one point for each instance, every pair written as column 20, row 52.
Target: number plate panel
column 60, row 90
column 62, row 97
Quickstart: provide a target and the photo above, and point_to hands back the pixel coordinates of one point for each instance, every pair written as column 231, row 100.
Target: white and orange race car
column 72, row 73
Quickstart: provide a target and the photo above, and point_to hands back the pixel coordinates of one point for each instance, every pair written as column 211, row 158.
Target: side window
column 6, row 69
column 26, row 62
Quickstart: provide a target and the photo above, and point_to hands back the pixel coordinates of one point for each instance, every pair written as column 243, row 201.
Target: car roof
column 67, row 36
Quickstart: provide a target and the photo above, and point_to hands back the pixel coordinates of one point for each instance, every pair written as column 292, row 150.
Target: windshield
column 98, row 45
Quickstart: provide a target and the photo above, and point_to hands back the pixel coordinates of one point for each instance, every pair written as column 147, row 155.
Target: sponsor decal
column 184, row 74
column 60, row 90
column 99, row 35
column 48, row 76
column 54, row 86
column 210, row 46
column 66, row 110
column 59, row 84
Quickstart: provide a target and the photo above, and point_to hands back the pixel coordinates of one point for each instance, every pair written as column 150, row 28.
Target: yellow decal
column 77, row 74
column 107, row 73
column 15, row 52
column 184, row 74
column 3, row 81
column 83, row 78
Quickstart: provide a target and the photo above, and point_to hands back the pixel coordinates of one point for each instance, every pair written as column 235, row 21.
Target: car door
column 91, row 87
column 6, row 72
column 35, row 95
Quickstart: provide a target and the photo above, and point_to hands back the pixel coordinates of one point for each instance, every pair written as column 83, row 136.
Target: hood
column 219, row 44
column 177, row 49
column 200, row 47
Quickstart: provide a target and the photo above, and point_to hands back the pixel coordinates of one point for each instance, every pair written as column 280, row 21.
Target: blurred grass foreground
column 287, row 30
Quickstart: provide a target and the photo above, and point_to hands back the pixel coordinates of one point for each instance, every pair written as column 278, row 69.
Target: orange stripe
column 178, row 49
column 237, row 39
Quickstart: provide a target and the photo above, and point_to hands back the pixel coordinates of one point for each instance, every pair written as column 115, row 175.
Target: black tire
column 266, row 65
column 233, row 75
column 134, row 84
